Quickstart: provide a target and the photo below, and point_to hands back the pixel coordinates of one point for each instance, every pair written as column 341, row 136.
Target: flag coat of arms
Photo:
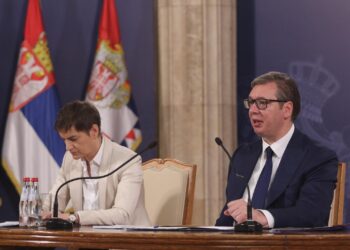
column 31, row 146
column 109, row 89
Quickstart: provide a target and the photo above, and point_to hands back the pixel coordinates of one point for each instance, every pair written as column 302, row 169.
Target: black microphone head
column 218, row 141
column 152, row 144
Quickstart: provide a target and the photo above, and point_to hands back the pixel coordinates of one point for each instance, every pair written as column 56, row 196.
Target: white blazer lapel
column 104, row 169
column 76, row 187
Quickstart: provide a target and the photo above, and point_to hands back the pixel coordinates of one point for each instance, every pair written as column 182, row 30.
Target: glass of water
column 44, row 208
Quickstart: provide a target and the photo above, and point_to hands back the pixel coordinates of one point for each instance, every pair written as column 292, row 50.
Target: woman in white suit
column 117, row 199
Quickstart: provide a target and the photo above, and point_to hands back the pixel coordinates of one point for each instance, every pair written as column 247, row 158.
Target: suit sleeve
column 235, row 186
column 127, row 196
column 63, row 195
column 315, row 194
column 224, row 220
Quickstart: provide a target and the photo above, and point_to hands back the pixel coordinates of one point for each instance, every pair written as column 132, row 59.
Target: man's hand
column 237, row 209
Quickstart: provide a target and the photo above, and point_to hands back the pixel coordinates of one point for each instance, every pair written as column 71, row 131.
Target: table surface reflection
column 89, row 238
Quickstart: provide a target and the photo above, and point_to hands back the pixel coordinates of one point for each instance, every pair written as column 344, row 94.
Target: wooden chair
column 169, row 191
column 337, row 208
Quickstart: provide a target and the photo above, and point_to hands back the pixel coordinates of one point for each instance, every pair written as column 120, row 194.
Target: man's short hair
column 78, row 114
column 287, row 89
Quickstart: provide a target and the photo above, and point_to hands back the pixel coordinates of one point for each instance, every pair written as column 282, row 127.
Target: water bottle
column 34, row 203
column 23, row 203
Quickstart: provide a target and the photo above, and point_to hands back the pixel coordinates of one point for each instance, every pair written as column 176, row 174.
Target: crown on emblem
column 113, row 59
column 110, row 64
column 42, row 52
column 316, row 86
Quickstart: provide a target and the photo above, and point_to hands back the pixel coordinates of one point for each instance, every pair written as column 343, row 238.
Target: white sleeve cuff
column 269, row 217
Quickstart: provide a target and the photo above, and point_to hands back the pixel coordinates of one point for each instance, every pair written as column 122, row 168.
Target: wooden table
column 88, row 238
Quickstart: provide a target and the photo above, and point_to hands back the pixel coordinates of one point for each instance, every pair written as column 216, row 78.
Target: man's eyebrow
column 257, row 98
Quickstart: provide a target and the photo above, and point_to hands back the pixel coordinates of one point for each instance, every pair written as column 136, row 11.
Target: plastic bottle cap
column 35, row 179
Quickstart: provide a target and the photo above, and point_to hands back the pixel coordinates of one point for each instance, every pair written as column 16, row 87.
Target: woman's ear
column 94, row 131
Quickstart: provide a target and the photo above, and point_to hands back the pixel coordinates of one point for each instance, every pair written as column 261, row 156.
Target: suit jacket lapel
column 76, row 187
column 289, row 163
column 104, row 169
column 244, row 169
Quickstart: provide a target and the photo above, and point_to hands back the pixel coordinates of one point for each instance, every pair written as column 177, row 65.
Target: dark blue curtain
column 310, row 41
column 71, row 28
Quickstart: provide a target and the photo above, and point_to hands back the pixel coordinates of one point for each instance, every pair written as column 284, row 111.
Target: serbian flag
column 109, row 89
column 31, row 145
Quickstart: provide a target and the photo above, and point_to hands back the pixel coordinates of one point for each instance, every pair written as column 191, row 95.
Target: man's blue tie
column 261, row 189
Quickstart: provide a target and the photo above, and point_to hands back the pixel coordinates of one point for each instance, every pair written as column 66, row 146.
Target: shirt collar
column 278, row 147
column 98, row 157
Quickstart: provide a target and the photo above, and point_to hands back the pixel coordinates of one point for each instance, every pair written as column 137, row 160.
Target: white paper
column 165, row 228
column 126, row 227
column 9, row 224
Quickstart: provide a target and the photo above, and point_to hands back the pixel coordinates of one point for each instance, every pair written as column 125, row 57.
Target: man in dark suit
column 291, row 179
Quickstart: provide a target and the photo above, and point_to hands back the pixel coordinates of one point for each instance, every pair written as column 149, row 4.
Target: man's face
column 80, row 144
column 273, row 122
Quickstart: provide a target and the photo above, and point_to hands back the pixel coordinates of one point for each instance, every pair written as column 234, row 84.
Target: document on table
column 310, row 229
column 167, row 228
column 9, row 224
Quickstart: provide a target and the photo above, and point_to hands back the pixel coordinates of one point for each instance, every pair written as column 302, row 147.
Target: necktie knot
column 269, row 152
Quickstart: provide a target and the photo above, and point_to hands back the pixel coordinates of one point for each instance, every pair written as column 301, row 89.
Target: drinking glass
column 44, row 208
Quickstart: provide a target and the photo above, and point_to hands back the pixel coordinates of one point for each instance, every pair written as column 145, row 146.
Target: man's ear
column 288, row 109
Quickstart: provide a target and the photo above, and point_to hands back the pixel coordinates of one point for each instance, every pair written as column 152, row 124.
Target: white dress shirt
column 278, row 148
column 90, row 187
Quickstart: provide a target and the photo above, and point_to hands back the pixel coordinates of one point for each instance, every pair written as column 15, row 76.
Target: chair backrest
column 337, row 208
column 169, row 191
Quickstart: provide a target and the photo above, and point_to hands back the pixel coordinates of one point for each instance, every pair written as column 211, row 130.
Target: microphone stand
column 59, row 223
column 249, row 225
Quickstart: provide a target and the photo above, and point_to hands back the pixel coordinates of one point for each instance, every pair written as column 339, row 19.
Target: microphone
column 249, row 225
column 219, row 142
column 58, row 223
